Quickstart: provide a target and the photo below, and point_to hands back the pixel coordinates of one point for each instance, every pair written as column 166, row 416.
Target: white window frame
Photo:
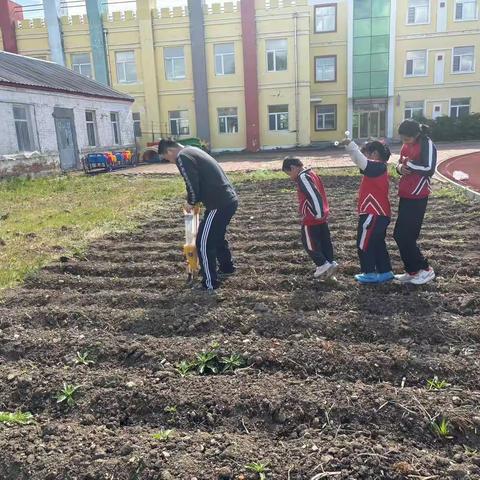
column 450, row 106
column 412, row 109
column 323, row 115
column 225, row 118
column 419, row 23
column 121, row 69
column 28, row 122
column 413, row 74
column 178, row 121
column 116, row 122
column 461, row 72
column 93, row 123
column 80, row 65
column 170, row 61
column 317, row 8
column 277, row 121
column 274, row 51
column 455, row 19
column 222, row 59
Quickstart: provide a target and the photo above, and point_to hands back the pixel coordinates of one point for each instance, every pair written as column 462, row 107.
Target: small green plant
column 441, row 428
column 232, row 362
column 172, row 410
column 83, row 359
column 258, row 468
column 207, row 362
column 67, row 393
column 163, row 435
column 18, row 418
column 184, row 368
column 436, row 384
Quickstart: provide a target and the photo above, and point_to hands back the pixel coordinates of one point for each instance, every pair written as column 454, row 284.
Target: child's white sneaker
column 404, row 277
column 333, row 268
column 322, row 270
column 423, row 276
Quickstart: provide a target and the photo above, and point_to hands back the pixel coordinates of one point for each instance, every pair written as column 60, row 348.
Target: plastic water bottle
column 190, row 228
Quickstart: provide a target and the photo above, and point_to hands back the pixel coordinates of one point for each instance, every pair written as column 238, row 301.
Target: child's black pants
column 372, row 249
column 317, row 242
column 407, row 231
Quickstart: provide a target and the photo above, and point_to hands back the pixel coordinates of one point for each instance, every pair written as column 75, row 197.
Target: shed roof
column 32, row 73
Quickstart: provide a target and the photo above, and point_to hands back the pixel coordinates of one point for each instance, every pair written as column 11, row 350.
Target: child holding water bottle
column 373, row 210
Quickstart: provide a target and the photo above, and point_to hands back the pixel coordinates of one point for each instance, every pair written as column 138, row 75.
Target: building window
column 82, row 64
column 466, row 10
column 459, row 107
column 137, row 127
column 91, row 127
column 325, row 117
column 224, row 59
column 413, row 110
column 179, row 122
column 278, row 117
column 416, row 63
column 174, row 63
column 276, row 55
column 418, row 12
column 115, row 128
column 463, row 60
column 23, row 127
column 228, row 120
column 126, row 67
column 326, row 18
column 326, row 69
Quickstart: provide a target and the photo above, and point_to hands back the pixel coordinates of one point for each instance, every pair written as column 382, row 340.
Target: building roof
column 32, row 73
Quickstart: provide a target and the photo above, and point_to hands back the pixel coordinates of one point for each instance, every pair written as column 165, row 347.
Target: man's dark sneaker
column 199, row 287
column 226, row 272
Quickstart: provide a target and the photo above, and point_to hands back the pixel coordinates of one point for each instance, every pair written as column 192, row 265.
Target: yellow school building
column 261, row 74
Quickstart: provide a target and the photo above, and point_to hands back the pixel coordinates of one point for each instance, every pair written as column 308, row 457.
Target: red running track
column 469, row 164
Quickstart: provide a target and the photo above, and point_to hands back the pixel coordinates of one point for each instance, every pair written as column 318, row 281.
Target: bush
column 451, row 129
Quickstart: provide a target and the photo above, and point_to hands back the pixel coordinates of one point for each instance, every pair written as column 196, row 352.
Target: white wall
column 43, row 104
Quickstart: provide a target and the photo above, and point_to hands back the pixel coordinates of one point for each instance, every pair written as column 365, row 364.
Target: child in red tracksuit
column 418, row 159
column 314, row 211
column 373, row 211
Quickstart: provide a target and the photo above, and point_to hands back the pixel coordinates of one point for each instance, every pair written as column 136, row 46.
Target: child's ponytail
column 386, row 153
column 424, row 129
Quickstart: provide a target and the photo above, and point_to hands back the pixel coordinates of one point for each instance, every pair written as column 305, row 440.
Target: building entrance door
column 66, row 138
column 369, row 124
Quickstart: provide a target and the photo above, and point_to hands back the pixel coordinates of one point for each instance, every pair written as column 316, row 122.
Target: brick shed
column 51, row 116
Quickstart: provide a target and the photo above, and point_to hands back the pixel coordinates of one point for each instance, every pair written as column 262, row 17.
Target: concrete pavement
column 333, row 158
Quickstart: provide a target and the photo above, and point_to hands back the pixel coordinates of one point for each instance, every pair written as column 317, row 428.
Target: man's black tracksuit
column 207, row 183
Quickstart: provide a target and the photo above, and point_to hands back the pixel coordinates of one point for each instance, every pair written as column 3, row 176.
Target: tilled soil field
column 334, row 384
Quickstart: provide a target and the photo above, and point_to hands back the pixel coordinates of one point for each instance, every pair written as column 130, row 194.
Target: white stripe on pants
column 203, row 248
column 366, row 223
column 307, row 238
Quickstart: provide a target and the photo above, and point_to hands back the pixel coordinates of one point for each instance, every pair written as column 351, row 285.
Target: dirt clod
column 335, row 374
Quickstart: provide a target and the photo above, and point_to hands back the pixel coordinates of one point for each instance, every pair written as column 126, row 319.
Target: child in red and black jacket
column 373, row 211
column 418, row 159
column 314, row 211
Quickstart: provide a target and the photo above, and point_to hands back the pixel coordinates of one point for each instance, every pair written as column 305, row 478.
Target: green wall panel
column 380, row 44
column 371, row 48
column 380, row 8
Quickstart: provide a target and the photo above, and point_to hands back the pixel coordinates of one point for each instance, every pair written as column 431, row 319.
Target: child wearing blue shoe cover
column 373, row 211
